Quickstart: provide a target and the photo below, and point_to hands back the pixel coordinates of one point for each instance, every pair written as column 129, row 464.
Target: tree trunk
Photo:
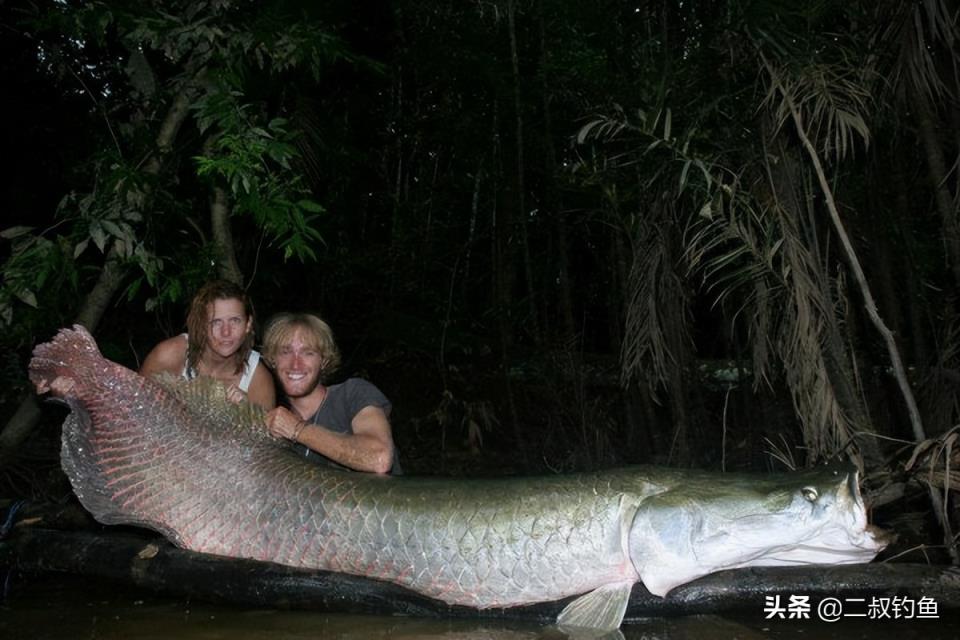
column 552, row 204
column 149, row 562
column 503, row 276
column 680, row 386
column 227, row 267
column 911, row 297
column 520, row 176
column 938, row 179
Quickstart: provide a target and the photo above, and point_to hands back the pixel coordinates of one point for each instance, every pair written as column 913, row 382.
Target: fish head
column 714, row 523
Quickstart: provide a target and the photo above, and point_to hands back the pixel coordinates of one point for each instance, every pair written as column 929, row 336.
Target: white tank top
column 249, row 367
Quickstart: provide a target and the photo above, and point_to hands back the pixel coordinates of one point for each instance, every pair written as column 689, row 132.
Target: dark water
column 57, row 607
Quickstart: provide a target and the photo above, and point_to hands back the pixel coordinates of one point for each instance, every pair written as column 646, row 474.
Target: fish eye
column 810, row 494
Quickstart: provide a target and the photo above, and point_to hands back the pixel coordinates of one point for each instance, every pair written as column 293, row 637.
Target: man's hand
column 282, row 422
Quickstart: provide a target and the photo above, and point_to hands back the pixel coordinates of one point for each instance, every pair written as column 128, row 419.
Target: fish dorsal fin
column 208, row 397
column 601, row 609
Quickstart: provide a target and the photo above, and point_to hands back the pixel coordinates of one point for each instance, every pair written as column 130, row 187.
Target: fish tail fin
column 71, row 350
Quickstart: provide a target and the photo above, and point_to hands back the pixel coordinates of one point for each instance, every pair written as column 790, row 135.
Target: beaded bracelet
column 296, row 432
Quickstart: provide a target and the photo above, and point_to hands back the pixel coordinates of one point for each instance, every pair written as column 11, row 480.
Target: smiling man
column 347, row 423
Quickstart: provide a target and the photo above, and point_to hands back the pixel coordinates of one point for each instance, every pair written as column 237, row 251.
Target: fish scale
column 178, row 458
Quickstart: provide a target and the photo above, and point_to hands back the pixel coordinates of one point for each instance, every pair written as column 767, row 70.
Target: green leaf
column 15, row 232
column 134, row 288
column 706, row 211
column 586, row 129
column 27, row 297
column 98, row 236
column 311, row 206
column 706, row 174
column 112, row 228
column 683, row 174
column 80, row 248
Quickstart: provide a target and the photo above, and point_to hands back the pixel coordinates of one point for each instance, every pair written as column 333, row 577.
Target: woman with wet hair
column 218, row 344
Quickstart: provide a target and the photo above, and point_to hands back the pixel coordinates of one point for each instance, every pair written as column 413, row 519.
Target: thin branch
column 854, row 262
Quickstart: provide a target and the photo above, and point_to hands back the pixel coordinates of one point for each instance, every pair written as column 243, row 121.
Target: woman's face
column 227, row 326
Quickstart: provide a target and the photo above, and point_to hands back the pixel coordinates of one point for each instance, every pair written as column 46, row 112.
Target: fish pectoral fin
column 603, row 608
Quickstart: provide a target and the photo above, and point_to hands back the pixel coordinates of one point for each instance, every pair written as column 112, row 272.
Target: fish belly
column 502, row 544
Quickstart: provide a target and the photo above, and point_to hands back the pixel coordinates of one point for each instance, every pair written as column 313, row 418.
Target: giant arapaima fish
column 179, row 459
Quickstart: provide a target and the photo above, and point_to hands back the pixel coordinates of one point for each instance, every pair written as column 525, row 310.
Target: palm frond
column 646, row 345
column 918, row 31
column 834, row 102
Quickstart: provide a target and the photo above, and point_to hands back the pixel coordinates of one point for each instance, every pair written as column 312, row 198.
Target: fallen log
column 139, row 559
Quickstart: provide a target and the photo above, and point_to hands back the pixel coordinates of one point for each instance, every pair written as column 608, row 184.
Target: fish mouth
column 853, row 488
column 873, row 536
column 881, row 537
column 836, row 547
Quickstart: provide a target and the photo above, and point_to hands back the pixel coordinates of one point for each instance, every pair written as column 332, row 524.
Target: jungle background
column 559, row 235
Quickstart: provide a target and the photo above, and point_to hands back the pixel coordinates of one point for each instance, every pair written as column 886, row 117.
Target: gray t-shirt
column 343, row 402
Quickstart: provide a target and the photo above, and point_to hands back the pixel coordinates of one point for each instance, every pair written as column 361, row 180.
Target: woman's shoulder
column 261, row 389
column 260, row 370
column 174, row 347
column 178, row 341
column 168, row 355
